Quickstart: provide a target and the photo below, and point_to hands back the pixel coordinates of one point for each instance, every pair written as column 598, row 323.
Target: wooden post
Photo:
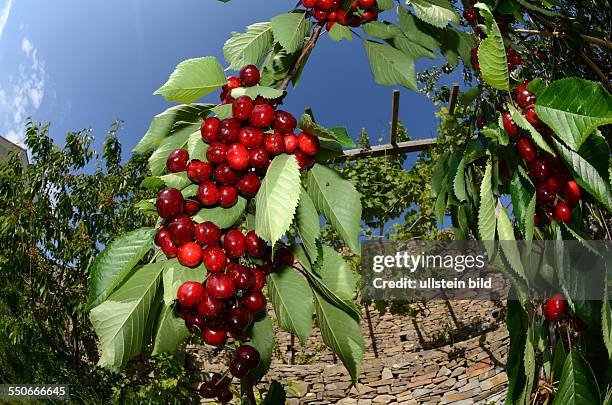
column 394, row 116
column 453, row 99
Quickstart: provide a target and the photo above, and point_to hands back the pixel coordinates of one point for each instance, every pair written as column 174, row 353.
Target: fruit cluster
column 556, row 191
column 331, row 12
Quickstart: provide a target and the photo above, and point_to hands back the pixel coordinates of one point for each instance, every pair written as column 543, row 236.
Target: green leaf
column 292, row 300
column 505, row 232
column 341, row 333
column 337, row 275
column 164, row 124
column 276, row 394
column 391, row 66
column 492, row 54
column 338, row 32
column 586, row 176
column 175, row 180
column 192, row 79
column 223, row 111
column 559, row 357
column 412, row 29
column 157, row 161
column 120, row 321
column 381, row 30
column 254, row 91
column 606, row 315
column 439, row 172
column 529, row 364
column 520, row 199
column 517, row 324
column 529, row 218
column 262, row 339
column 578, row 384
column 290, row 30
column 596, row 151
column 222, row 217
column 248, row 48
column 384, row 4
column 412, row 49
column 533, row 7
column 176, row 274
column 277, row 198
column 153, row 183
column 341, row 135
column 486, row 211
column 196, row 147
column 441, row 203
column 338, row 134
column 435, row 12
column 307, row 222
column 522, row 122
column 115, row 263
column 171, row 331
column 338, row 200
column 574, row 108
column 459, row 181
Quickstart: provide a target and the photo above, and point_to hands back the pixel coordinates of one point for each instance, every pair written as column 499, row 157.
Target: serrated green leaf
column 171, row 331
column 578, row 384
column 384, row 4
column 559, row 357
column 121, row 320
column 192, row 79
column 176, row 274
column 338, row 32
column 517, row 323
column 596, row 151
column 277, row 198
column 222, row 217
column 157, row 161
column 521, row 121
column 338, row 134
column 606, row 314
column 115, row 263
column 505, row 232
column 163, row 124
column 586, row 176
column 459, row 181
column 412, row 29
column 153, row 183
column 412, row 49
column 337, row 275
column 486, row 211
column 391, row 66
column 441, row 203
column 290, row 29
column 292, row 300
column 197, row 147
column 435, row 12
column 381, row 30
column 223, row 111
column 492, row 53
column 529, row 364
column 520, row 197
column 342, row 136
column 307, row 222
column 529, row 218
column 574, row 108
column 338, row 200
column 254, row 91
column 439, row 172
column 176, row 180
column 248, row 48
column 262, row 339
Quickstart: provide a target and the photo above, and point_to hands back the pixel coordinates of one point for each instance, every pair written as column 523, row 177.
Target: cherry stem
column 302, row 58
column 249, row 392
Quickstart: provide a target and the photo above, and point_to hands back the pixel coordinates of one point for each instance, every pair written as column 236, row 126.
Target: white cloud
column 26, row 46
column 4, row 15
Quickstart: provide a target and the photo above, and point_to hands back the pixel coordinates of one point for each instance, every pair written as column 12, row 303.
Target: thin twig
column 300, row 60
column 587, row 38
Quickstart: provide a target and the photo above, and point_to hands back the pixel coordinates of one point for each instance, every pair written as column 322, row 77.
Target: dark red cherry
column 509, row 125
column 207, row 233
column 525, row 98
column 220, row 286
column 249, row 185
column 248, row 355
column 233, row 82
column 210, row 129
column 539, row 170
column 238, row 156
column 181, row 229
column 262, row 116
column 291, row 143
column 225, row 396
column 284, row 257
column 284, row 122
column 225, row 175
column 242, row 108
column 215, row 259
column 177, row 160
column 214, row 337
column 169, row 248
column 238, row 369
column 216, row 153
column 208, row 193
column 195, row 323
column 571, row 193
column 198, row 171
column 229, row 129
column 228, row 195
column 255, row 246
column 563, row 212
column 251, row 137
column 259, row 158
column 304, row 161
column 161, row 234
column 260, row 279
column 207, row 390
column 544, row 194
column 526, row 149
column 190, row 254
column 210, row 308
column 234, row 243
column 308, row 144
column 532, row 118
column 238, row 319
column 242, row 276
column 554, row 307
column 253, row 302
column 169, row 203
column 274, row 143
column 470, row 14
column 370, row 15
column 190, row 293
column 249, row 75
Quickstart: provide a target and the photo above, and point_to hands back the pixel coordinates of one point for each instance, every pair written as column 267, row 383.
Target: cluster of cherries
column 556, row 191
column 331, row 12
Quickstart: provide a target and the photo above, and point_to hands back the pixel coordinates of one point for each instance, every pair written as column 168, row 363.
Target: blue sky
column 84, row 64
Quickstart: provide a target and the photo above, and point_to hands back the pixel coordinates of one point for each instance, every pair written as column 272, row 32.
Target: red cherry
column 238, row 319
column 248, row 355
column 220, row 286
column 191, row 207
column 210, row 129
column 544, row 195
column 563, row 212
column 229, row 129
column 215, row 259
column 522, row 86
column 470, row 14
column 169, row 248
column 181, row 229
column 341, row 16
column 532, row 118
column 242, row 108
column 225, row 396
column 251, row 137
column 255, row 246
column 308, row 144
column 210, row 308
column 309, row 3
column 539, row 170
column 190, row 293
column 327, row 5
column 526, row 149
column 198, row 171
column 161, row 234
column 284, row 257
column 554, row 183
column 234, row 243
column 249, row 185
column 207, row 233
column 474, row 53
column 238, row 369
column 216, row 153
column 233, row 82
column 169, row 203
column 525, row 98
column 284, row 122
column 177, row 160
column 207, row 390
column 241, row 275
column 571, row 193
column 304, row 161
column 274, row 143
column 225, row 175
column 214, row 337
column 291, row 143
column 554, row 307
column 262, row 116
column 238, row 156
column 259, row 158
column 190, row 254
column 509, row 125
column 219, row 381
column 195, row 323
column 370, row 15
column 260, row 279
column 228, row 195
column 319, row 15
column 208, row 193
column 253, row 302
column 367, row 3
column 249, row 75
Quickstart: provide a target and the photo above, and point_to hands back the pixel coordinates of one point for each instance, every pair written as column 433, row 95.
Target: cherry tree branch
column 587, row 38
column 301, row 59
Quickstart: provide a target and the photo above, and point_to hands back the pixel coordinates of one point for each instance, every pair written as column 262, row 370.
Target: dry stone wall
column 449, row 352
